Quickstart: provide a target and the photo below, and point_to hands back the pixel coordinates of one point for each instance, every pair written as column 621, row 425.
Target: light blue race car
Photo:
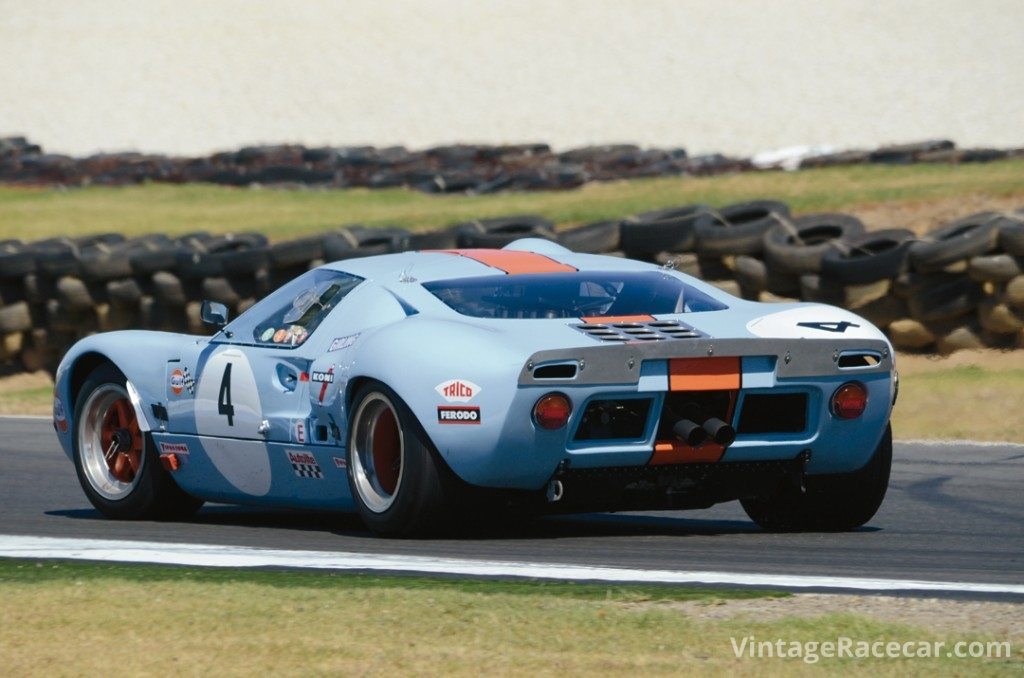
column 416, row 387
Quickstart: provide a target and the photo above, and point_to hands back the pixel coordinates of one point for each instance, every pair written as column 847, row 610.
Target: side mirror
column 214, row 313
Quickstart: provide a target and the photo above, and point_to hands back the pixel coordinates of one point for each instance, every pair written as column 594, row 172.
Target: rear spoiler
column 620, row 363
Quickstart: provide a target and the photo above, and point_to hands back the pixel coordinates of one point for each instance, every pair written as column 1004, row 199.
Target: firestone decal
column 457, row 390
column 340, row 462
column 454, row 414
column 342, row 342
column 173, row 448
column 60, row 419
column 304, row 465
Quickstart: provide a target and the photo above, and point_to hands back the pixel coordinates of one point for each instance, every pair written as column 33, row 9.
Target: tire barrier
column 475, row 169
column 960, row 286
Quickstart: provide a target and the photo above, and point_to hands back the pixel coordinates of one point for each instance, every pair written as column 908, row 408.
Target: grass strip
column 30, row 213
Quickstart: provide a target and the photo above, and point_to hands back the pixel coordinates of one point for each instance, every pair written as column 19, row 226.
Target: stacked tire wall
column 458, row 168
column 961, row 286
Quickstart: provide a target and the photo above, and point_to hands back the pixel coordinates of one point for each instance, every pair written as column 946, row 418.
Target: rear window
column 572, row 295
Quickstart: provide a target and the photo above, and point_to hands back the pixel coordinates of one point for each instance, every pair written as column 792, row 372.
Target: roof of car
column 520, row 257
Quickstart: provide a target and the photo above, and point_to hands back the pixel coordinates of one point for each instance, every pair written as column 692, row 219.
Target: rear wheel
column 829, row 503
column 115, row 460
column 396, row 482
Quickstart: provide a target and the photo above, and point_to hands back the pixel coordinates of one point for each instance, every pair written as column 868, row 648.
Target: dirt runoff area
column 922, row 216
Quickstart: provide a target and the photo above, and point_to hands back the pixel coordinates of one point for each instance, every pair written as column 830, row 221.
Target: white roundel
column 813, row 322
column 227, row 399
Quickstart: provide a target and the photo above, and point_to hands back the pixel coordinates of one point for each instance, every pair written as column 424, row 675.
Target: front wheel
column 116, row 463
column 828, row 503
column 397, row 484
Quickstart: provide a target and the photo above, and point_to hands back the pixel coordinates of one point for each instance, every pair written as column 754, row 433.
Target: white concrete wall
column 190, row 76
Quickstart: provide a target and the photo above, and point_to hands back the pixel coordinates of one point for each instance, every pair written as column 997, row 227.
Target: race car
column 407, row 387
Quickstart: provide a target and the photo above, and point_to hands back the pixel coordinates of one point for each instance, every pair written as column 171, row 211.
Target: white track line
column 241, row 556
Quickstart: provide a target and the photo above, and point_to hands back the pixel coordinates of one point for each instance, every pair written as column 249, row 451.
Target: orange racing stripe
column 704, row 374
column 673, row 452
column 513, row 262
column 592, row 319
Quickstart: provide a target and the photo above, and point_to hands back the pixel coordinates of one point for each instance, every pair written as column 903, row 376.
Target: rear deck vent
column 559, row 371
column 658, row 330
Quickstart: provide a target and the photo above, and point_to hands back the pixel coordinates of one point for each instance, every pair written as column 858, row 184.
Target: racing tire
column 594, row 238
column 665, row 230
column 495, row 233
column 395, row 478
column 135, row 486
column 737, row 228
column 827, row 503
column 1011, row 234
column 442, row 239
column 868, row 258
column 962, row 239
column 797, row 247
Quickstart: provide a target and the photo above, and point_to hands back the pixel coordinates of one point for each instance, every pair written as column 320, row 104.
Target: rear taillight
column 552, row 411
column 849, row 400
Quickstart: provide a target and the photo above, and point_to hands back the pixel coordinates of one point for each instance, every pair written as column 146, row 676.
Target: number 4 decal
column 224, row 405
column 826, row 327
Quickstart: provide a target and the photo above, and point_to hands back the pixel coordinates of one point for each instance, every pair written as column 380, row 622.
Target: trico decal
column 457, row 390
column 299, row 430
column 454, row 414
column 60, row 419
column 304, row 465
column 342, row 342
column 340, row 462
column 173, row 448
column 181, row 380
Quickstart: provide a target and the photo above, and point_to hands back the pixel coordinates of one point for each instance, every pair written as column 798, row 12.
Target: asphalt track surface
column 954, row 512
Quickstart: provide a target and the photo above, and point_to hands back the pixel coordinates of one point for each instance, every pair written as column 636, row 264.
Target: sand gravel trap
column 190, row 76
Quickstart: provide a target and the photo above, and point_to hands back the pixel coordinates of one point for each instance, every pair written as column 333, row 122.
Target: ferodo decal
column 173, row 448
column 342, row 342
column 457, row 390
column 304, row 464
column 181, row 380
column 60, row 419
column 454, row 414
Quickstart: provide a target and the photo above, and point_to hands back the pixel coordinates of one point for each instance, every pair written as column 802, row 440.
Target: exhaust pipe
column 719, row 431
column 690, row 432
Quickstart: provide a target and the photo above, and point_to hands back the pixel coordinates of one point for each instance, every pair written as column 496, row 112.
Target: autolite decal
column 457, row 390
column 453, row 414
